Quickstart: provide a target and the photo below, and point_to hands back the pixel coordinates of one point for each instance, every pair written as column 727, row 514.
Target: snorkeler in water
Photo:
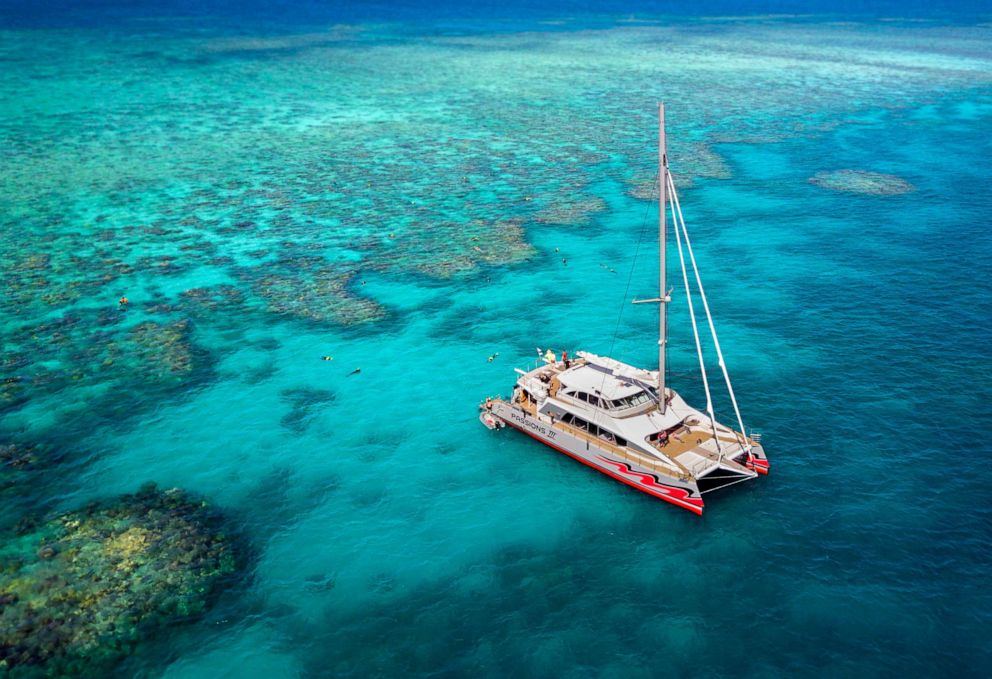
column 493, row 357
column 327, row 358
column 354, row 372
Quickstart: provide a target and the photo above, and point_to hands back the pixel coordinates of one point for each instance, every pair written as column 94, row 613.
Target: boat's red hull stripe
column 679, row 496
column 648, row 484
column 760, row 466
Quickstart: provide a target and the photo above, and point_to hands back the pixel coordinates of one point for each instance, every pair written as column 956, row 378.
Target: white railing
column 700, row 467
column 613, row 449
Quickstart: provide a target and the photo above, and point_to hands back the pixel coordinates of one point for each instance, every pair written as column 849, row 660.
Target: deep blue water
column 388, row 184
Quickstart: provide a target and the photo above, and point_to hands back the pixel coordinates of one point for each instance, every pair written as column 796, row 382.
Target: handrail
column 638, row 458
column 617, row 450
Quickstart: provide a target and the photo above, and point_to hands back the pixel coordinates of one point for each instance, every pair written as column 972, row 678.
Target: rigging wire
column 695, row 329
column 709, row 318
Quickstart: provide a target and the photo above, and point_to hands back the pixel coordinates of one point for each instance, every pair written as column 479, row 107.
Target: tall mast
column 662, row 282
column 662, row 299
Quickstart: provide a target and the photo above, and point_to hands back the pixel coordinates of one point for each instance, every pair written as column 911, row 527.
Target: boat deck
column 640, row 459
column 692, row 449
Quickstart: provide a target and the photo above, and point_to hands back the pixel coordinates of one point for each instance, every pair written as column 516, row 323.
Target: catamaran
column 625, row 421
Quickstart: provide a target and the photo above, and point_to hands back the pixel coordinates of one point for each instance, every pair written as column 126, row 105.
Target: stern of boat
column 713, row 472
column 758, row 461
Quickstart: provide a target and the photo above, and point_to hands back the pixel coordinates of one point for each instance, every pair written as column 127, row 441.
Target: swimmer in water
column 354, row 372
column 493, row 357
column 123, row 302
column 327, row 358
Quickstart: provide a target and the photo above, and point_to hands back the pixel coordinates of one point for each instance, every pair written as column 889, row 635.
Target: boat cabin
column 592, row 385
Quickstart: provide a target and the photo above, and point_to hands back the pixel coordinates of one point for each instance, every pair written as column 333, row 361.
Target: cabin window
column 622, row 442
column 633, row 400
column 567, row 418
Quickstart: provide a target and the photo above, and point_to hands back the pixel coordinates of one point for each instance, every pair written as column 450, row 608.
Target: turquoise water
column 392, row 192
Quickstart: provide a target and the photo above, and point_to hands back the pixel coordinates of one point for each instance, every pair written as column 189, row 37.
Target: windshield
column 637, row 399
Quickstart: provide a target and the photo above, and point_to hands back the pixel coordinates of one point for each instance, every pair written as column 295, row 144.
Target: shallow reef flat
column 196, row 165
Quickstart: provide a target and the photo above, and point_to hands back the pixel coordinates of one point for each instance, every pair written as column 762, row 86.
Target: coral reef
column 320, row 293
column 78, row 592
column 99, row 351
column 162, row 348
column 572, row 211
column 467, row 247
column 418, row 174
column 205, row 301
column 644, row 189
column 17, row 457
column 13, row 392
column 862, row 181
column 30, row 473
column 688, row 161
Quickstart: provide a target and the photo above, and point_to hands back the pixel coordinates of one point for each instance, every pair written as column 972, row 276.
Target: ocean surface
column 412, row 190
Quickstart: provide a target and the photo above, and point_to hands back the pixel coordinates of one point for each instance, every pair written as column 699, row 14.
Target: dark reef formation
column 85, row 361
column 468, row 246
column 862, row 181
column 78, row 592
column 18, row 461
column 571, row 211
column 27, row 472
column 320, row 293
